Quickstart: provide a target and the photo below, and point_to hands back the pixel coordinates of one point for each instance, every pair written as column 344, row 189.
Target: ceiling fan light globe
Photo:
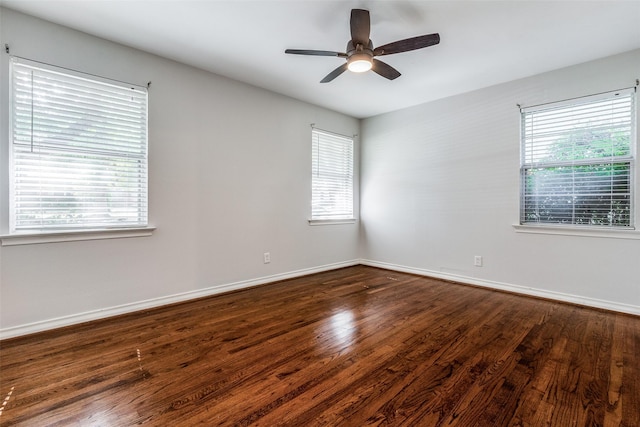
column 359, row 63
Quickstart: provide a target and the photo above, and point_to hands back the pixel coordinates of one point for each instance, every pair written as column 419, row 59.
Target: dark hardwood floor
column 358, row 346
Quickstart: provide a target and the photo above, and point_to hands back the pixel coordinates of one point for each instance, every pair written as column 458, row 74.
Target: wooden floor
column 358, row 346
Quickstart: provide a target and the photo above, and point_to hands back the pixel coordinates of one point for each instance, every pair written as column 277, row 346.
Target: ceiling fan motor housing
column 359, row 48
column 359, row 57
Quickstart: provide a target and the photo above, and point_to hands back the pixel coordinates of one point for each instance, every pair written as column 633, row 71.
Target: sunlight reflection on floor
column 343, row 327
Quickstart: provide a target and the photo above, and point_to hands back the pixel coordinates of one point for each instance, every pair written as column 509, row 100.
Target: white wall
column 229, row 179
column 440, row 184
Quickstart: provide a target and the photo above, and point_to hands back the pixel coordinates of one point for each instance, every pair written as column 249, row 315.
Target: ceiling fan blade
column 315, row 52
column 407, row 44
column 385, row 70
column 335, row 73
column 360, row 26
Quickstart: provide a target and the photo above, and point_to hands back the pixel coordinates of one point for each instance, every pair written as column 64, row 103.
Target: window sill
column 74, row 235
column 332, row 221
column 578, row 231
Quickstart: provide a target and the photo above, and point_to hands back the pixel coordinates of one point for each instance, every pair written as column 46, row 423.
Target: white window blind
column 332, row 176
column 577, row 163
column 78, row 151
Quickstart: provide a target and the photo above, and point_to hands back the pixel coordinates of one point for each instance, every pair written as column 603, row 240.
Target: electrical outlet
column 267, row 257
column 477, row 261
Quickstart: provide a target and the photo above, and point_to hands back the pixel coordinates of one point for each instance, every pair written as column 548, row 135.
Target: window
column 78, row 151
column 577, row 164
column 332, row 176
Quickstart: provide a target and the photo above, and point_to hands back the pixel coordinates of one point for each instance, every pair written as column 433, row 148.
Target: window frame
column 82, row 231
column 572, row 228
column 340, row 217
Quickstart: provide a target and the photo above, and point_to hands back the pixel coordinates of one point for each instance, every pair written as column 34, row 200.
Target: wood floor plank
column 631, row 377
column 359, row 346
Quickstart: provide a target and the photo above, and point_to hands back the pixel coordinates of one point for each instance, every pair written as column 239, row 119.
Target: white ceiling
column 482, row 42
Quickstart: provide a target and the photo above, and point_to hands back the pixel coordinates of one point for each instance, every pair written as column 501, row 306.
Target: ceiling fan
column 361, row 54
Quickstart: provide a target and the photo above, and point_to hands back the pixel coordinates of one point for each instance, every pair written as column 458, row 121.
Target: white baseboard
column 160, row 301
column 541, row 293
column 185, row 296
